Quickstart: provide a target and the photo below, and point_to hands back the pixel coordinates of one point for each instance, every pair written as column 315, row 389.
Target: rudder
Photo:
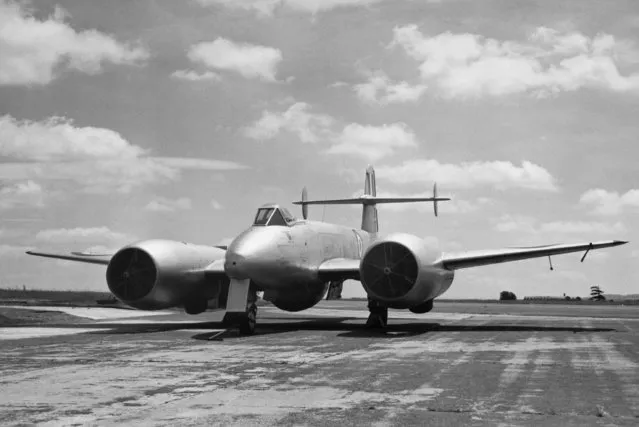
column 369, row 212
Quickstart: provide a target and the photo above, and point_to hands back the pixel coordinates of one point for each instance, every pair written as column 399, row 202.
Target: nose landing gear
column 241, row 309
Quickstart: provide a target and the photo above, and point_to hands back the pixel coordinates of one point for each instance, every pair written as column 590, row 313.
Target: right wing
column 76, row 256
column 452, row 261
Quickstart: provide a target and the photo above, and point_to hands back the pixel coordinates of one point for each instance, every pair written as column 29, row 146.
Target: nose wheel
column 247, row 322
column 241, row 309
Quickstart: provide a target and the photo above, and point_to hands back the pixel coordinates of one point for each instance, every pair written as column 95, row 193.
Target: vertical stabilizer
column 369, row 211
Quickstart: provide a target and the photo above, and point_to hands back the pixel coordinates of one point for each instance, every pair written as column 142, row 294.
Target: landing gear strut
column 378, row 317
column 241, row 309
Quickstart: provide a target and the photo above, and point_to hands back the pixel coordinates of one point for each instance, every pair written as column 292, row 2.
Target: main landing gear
column 241, row 309
column 378, row 317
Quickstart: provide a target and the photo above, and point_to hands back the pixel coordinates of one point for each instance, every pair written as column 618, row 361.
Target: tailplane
column 369, row 200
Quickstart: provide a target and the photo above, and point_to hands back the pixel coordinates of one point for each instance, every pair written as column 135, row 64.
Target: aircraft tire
column 196, row 306
column 249, row 320
column 377, row 319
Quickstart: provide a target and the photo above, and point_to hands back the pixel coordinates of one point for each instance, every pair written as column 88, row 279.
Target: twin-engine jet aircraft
column 293, row 261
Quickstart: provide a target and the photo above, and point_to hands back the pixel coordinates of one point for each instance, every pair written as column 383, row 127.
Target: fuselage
column 277, row 257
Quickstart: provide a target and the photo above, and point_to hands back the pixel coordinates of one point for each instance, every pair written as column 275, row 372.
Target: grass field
column 91, row 298
column 26, row 296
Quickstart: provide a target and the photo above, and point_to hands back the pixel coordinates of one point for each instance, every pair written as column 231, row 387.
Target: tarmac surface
column 462, row 364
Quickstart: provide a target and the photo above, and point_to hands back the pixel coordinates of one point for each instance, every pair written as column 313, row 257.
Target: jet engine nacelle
column 299, row 298
column 402, row 271
column 157, row 274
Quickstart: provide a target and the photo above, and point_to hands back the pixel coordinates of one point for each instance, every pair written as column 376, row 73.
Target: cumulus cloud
column 215, row 205
column 35, row 51
column 525, row 224
column 97, row 159
column 498, row 174
column 610, row 202
column 550, row 61
column 20, row 194
column 268, row 7
column 194, row 76
column 509, row 223
column 189, row 163
column 57, row 138
column 71, row 235
column 162, row 204
column 380, row 90
column 250, row 61
column 373, row 142
column 582, row 227
column 297, row 119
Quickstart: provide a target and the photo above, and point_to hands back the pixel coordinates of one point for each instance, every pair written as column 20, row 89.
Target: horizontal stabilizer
column 371, row 200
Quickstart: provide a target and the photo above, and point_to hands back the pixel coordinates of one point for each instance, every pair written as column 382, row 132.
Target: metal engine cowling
column 401, row 270
column 157, row 274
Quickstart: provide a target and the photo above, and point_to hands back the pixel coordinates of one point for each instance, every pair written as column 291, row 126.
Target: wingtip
column 621, row 242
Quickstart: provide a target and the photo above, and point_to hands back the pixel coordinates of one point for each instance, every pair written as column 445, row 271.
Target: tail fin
column 369, row 200
column 369, row 211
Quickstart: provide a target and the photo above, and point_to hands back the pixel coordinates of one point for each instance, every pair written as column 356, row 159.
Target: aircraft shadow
column 396, row 330
column 354, row 328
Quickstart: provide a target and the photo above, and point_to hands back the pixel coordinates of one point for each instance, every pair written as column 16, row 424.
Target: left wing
column 76, row 256
column 215, row 269
column 452, row 261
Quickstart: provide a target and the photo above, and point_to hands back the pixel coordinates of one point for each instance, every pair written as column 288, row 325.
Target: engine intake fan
column 389, row 270
column 402, row 271
column 131, row 274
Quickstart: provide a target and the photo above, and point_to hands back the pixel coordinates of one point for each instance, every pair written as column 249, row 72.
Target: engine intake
column 157, row 274
column 131, row 274
column 401, row 270
column 389, row 270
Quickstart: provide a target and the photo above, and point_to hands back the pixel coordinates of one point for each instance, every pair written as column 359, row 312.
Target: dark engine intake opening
column 131, row 274
column 389, row 270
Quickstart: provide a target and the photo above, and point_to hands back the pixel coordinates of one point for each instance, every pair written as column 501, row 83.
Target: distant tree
column 577, row 298
column 596, row 294
column 507, row 296
column 566, row 297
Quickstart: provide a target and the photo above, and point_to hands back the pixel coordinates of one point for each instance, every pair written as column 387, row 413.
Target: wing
column 452, row 261
column 339, row 269
column 77, row 256
column 215, row 269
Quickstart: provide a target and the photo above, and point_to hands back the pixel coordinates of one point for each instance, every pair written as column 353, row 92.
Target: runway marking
column 18, row 333
column 152, row 321
column 95, row 313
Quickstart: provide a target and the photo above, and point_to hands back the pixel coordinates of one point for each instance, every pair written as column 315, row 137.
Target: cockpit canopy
column 273, row 215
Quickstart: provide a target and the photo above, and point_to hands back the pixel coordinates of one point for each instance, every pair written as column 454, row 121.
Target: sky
column 122, row 121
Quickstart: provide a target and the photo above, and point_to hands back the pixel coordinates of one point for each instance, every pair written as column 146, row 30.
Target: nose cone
column 251, row 253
